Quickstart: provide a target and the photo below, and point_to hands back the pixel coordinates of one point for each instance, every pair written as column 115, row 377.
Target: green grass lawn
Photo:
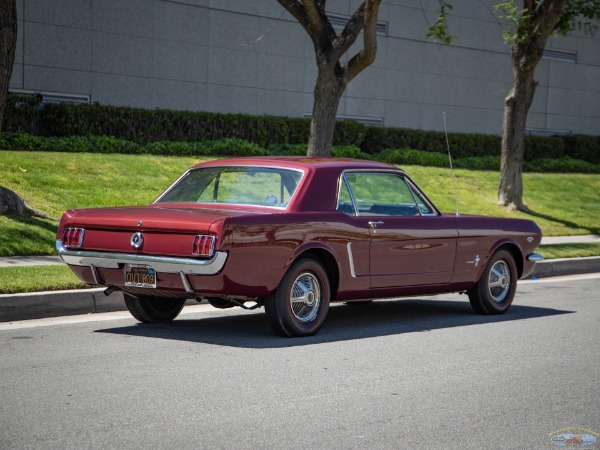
column 569, row 250
column 565, row 204
column 38, row 278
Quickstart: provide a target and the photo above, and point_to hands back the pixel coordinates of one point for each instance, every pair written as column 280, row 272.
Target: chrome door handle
column 374, row 225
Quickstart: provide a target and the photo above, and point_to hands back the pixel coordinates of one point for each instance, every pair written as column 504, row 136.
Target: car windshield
column 263, row 186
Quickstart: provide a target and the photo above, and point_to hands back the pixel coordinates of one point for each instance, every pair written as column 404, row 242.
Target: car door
column 411, row 243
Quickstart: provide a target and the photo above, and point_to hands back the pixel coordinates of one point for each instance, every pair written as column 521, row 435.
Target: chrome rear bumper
column 164, row 264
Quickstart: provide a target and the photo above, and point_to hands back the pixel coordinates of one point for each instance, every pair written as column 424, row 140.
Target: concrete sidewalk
column 20, row 261
column 37, row 305
column 581, row 239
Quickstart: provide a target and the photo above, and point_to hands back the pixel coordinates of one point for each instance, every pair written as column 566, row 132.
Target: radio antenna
column 451, row 168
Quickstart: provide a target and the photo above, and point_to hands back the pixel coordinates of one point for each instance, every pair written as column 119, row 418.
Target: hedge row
column 143, row 126
column 239, row 147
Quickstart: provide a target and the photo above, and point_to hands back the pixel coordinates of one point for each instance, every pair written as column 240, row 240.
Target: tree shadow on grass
column 566, row 223
column 24, row 229
column 344, row 322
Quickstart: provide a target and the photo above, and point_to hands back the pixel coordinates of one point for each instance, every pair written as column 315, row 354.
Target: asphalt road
column 417, row 373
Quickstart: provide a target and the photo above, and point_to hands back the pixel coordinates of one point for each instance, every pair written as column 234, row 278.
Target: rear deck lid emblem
column 137, row 240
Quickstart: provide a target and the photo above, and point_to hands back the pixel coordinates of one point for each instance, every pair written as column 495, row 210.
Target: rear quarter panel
column 262, row 248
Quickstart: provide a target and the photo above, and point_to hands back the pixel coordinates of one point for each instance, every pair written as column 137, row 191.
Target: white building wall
column 252, row 57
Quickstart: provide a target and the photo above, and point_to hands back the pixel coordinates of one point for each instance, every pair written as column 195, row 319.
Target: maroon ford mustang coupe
column 292, row 235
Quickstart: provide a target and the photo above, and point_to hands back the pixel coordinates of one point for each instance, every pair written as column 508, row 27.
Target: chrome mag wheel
column 499, row 281
column 305, row 297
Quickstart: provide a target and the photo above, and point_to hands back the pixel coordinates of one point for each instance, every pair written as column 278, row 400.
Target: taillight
column 203, row 245
column 73, row 237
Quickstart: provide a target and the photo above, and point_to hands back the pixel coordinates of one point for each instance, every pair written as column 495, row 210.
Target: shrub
column 349, row 151
column 21, row 114
column 143, row 126
column 562, row 165
column 234, row 147
column 412, row 157
column 543, row 147
column 348, row 132
column 22, row 141
column 583, row 147
column 478, row 163
column 288, row 149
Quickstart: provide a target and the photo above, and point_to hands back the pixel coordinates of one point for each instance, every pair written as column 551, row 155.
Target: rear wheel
column 300, row 303
column 496, row 288
column 149, row 309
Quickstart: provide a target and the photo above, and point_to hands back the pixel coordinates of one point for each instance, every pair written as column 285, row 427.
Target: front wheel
column 300, row 303
column 495, row 290
column 150, row 309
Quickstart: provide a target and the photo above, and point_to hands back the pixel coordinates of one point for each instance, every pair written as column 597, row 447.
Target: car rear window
column 262, row 186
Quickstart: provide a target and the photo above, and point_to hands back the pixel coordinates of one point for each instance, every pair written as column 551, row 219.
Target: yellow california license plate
column 138, row 275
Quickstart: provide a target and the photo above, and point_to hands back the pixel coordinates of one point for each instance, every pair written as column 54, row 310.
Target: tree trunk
column 510, row 190
column 8, row 44
column 537, row 23
column 328, row 92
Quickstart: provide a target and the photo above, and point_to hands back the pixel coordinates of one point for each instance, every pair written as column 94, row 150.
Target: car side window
column 382, row 194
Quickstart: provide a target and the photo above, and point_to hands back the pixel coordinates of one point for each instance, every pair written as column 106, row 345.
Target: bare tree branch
column 367, row 55
column 350, row 32
column 295, row 8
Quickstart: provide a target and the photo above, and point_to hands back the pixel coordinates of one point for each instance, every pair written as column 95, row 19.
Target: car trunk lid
column 164, row 230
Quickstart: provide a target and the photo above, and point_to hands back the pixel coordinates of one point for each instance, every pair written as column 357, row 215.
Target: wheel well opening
column 516, row 253
column 330, row 265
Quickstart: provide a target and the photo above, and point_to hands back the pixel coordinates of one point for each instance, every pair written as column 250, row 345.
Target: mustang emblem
column 137, row 240
column 475, row 261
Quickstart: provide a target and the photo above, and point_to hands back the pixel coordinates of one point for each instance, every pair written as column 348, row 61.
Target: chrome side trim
column 351, row 259
column 165, row 264
column 534, row 257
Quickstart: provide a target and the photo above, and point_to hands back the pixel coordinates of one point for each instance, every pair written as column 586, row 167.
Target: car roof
column 300, row 162
column 319, row 187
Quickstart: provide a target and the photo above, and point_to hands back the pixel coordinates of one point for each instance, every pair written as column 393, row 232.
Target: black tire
column 299, row 305
column 495, row 290
column 148, row 309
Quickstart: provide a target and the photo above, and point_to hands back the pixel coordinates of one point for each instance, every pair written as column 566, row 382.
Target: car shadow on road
column 344, row 322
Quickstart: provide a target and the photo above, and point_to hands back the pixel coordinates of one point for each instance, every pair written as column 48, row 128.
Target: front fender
column 513, row 246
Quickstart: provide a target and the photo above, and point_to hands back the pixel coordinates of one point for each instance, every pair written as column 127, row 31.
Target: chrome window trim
column 410, row 183
column 280, row 208
column 413, row 188
column 164, row 264
column 345, row 181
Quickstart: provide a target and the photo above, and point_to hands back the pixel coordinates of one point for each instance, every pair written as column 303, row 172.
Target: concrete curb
column 567, row 266
column 39, row 305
